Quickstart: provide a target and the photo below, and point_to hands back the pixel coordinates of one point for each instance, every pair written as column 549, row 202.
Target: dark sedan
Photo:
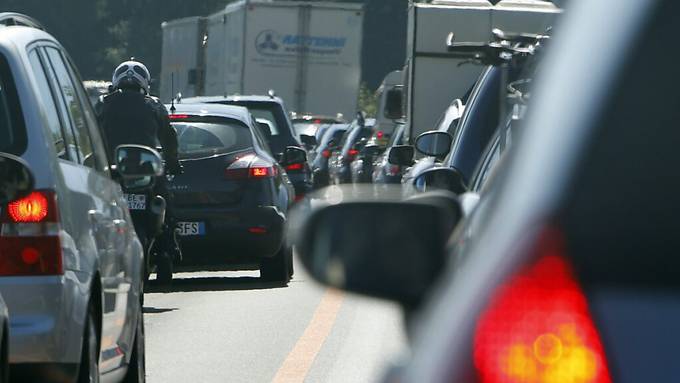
column 281, row 135
column 320, row 156
column 233, row 196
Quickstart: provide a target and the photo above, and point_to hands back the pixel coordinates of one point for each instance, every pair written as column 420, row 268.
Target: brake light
column 326, row 153
column 537, row 328
column 179, row 116
column 261, row 172
column 32, row 208
column 294, row 167
column 352, row 153
column 380, row 134
column 392, row 170
column 29, row 238
column 317, row 121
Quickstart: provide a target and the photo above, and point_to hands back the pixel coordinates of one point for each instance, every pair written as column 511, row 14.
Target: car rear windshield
column 12, row 128
column 203, row 138
column 269, row 111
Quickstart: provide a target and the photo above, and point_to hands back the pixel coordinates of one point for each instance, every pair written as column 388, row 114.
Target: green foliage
column 368, row 100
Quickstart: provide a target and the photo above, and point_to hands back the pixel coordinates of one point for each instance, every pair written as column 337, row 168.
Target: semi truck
column 309, row 54
column 433, row 77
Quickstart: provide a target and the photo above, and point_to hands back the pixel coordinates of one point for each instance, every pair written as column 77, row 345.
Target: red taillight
column 244, row 173
column 32, row 208
column 538, row 328
column 257, row 230
column 351, row 154
column 326, row 153
column 317, row 121
column 29, row 239
column 261, row 172
column 380, row 134
column 179, row 116
column 295, row 167
column 392, row 170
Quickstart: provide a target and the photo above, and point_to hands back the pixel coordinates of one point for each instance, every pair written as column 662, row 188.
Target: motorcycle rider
column 129, row 115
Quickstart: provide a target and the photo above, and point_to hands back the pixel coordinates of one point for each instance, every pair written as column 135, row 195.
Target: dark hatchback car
column 353, row 141
column 320, row 156
column 232, row 199
column 281, row 136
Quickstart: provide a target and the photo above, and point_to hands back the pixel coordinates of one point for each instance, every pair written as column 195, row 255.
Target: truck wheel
column 164, row 268
column 137, row 368
column 279, row 267
column 89, row 360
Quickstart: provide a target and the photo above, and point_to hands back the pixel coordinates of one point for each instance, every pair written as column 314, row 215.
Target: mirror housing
column 308, row 141
column 434, row 143
column 394, row 105
column 385, row 257
column 294, row 155
column 401, row 155
column 138, row 161
column 16, row 178
column 443, row 178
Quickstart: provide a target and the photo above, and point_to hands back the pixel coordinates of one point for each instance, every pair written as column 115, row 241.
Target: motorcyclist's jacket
column 128, row 117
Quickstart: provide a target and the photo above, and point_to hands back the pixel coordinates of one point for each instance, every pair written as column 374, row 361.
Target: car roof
column 233, row 98
column 215, row 110
column 17, row 36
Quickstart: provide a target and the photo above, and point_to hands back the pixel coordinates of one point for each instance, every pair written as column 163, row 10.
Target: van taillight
column 29, row 238
column 537, row 327
column 326, row 153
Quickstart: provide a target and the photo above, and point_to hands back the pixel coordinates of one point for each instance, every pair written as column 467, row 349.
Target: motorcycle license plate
column 191, row 228
column 135, row 201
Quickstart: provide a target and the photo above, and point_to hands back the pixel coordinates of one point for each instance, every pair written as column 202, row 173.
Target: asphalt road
column 230, row 327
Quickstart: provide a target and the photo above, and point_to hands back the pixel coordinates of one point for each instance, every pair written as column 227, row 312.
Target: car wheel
column 164, row 269
column 89, row 360
column 279, row 267
column 137, row 368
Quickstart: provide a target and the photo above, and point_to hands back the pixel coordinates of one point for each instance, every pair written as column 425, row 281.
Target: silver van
column 71, row 263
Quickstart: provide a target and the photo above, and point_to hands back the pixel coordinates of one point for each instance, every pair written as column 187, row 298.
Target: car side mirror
column 294, row 155
column 444, row 178
column 394, row 109
column 308, row 141
column 383, row 258
column 371, row 150
column 138, row 161
column 434, row 143
column 16, row 178
column 401, row 155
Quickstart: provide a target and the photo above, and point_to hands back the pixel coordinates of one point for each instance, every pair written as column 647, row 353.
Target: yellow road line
column 297, row 364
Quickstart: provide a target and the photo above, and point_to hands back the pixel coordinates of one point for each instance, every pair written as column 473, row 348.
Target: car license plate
column 135, row 201
column 191, row 228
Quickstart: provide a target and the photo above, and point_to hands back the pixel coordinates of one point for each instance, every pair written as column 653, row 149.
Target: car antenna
column 172, row 93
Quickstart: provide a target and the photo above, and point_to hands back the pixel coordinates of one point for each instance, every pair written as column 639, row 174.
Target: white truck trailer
column 308, row 53
column 434, row 79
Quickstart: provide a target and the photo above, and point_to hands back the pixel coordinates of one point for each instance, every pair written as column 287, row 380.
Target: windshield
column 202, row 138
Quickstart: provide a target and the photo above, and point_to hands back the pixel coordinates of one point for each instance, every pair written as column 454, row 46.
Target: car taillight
column 380, row 134
column 262, row 172
column 295, row 167
column 29, row 238
column 351, row 154
column 245, row 173
column 179, row 116
column 392, row 170
column 537, row 327
column 326, row 153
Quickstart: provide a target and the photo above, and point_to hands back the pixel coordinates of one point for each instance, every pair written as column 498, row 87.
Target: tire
column 137, row 368
column 278, row 268
column 164, row 269
column 89, row 361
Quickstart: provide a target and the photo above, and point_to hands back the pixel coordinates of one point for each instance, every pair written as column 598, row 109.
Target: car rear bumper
column 232, row 234
column 46, row 318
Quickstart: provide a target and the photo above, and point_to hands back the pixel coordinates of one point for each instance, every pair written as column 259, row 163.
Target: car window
column 201, row 138
column 74, row 109
column 12, row 127
column 47, row 101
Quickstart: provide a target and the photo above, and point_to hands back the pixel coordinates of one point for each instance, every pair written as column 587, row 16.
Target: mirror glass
column 434, row 143
column 138, row 161
column 441, row 179
column 384, row 257
column 401, row 155
column 394, row 104
column 295, row 155
column 16, row 179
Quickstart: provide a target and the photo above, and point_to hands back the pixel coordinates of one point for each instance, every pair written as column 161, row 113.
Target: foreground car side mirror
column 434, row 143
column 138, row 161
column 441, row 179
column 383, row 258
column 294, row 155
column 401, row 155
column 308, row 141
column 16, row 178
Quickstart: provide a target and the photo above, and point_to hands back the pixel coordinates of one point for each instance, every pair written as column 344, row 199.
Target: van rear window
column 12, row 128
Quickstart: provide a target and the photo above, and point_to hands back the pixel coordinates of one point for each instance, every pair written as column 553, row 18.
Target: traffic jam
column 500, row 208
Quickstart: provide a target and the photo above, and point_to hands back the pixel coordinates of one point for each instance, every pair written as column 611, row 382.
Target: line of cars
column 564, row 270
